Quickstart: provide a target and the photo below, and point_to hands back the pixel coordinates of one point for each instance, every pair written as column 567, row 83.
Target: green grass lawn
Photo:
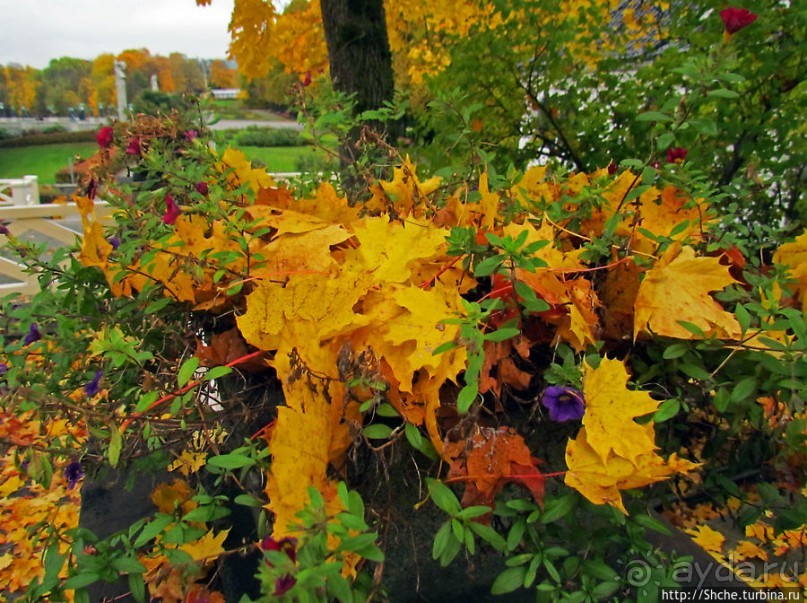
column 41, row 160
column 285, row 159
column 45, row 160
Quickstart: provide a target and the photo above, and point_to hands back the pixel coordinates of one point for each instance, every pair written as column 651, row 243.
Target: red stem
column 179, row 392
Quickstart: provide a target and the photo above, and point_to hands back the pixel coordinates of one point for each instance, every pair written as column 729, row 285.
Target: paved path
column 240, row 124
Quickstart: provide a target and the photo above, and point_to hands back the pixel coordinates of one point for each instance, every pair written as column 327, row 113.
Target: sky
column 35, row 31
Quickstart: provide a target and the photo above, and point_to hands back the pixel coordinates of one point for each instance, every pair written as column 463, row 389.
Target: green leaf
column 128, row 565
column 444, row 347
column 743, row 317
column 137, row 587
column 81, row 580
column 230, row 461
column 217, row 372
column 489, row 535
column 744, row 389
column 378, row 431
column 146, row 400
column 599, row 569
column 472, row 512
column 187, row 370
column 509, row 580
column 247, row 500
column 115, row 445
column 675, row 350
column 502, row 334
column 667, row 410
column 441, row 540
column 722, row 93
column 339, row 588
column 386, row 410
column 467, row 397
column 154, row 527
column 665, row 141
column 651, row 523
column 443, row 497
column 653, row 116
column 488, row 266
column 557, row 508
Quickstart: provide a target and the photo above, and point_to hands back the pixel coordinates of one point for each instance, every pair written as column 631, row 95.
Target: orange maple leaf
column 491, row 459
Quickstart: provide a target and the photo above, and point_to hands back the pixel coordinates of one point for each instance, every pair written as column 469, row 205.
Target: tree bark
column 359, row 56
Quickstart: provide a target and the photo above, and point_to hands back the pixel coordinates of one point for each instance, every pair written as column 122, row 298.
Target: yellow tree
column 22, row 86
column 103, row 80
column 222, row 76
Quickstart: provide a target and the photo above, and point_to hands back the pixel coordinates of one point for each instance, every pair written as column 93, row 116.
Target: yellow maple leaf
column 746, row 549
column 600, row 481
column 611, row 409
column 310, row 305
column 300, row 461
column 167, row 497
column 794, row 256
column 388, row 250
column 677, row 289
column 188, row 462
column 208, row 547
column 709, row 539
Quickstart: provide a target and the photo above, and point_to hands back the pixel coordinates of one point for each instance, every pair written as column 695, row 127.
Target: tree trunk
column 359, row 57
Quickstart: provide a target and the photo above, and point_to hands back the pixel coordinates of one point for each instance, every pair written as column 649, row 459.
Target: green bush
column 270, row 137
column 43, row 138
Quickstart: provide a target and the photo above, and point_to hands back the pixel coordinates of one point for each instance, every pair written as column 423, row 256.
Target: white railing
column 54, row 224
column 20, row 191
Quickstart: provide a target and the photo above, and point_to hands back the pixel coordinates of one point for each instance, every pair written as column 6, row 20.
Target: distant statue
column 155, row 86
column 120, row 89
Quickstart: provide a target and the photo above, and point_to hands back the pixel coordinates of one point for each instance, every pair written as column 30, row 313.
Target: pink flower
column 104, row 137
column 735, row 19
column 191, row 135
column 676, row 155
column 172, row 211
column 202, row 188
column 134, row 147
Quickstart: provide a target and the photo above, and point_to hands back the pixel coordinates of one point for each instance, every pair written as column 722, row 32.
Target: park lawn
column 286, row 159
column 41, row 160
column 46, row 160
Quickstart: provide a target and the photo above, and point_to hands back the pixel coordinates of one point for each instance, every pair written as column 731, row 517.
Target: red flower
column 286, row 545
column 172, row 211
column 134, row 147
column 202, row 188
column 735, row 19
column 676, row 155
column 104, row 137
column 284, row 584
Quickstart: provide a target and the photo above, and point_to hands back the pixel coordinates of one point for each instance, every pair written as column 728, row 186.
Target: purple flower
column 202, row 188
column 72, row 473
column 563, row 402
column 284, row 584
column 4, row 229
column 94, row 386
column 114, row 240
column 33, row 334
column 3, row 368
